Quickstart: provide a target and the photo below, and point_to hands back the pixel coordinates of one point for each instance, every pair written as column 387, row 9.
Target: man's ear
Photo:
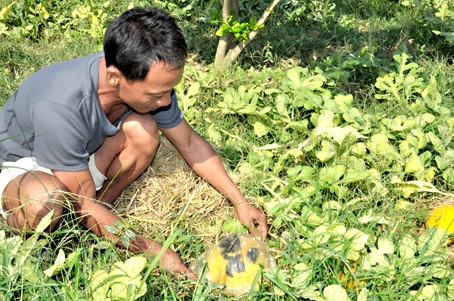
column 113, row 75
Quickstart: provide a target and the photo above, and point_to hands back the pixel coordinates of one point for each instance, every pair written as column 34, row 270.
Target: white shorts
column 10, row 170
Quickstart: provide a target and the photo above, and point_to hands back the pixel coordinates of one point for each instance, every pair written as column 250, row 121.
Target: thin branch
column 238, row 48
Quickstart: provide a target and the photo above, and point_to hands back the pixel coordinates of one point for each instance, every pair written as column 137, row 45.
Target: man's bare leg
column 125, row 156
column 30, row 197
column 122, row 158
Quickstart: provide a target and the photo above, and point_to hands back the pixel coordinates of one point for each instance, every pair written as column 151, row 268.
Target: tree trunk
column 227, row 51
column 227, row 41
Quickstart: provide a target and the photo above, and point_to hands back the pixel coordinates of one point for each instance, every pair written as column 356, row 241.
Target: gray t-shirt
column 56, row 116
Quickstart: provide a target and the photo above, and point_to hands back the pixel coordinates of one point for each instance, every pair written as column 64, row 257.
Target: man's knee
column 141, row 130
column 37, row 210
column 32, row 212
column 30, row 198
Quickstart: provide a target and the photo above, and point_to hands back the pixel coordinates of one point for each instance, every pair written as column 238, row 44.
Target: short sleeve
column 169, row 116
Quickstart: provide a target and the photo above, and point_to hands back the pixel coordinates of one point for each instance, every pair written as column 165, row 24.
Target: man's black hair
column 141, row 37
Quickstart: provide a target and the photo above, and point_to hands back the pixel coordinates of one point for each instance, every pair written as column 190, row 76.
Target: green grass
column 356, row 39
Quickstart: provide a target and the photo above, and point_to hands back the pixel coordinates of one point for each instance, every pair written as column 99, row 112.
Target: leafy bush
column 21, row 272
column 36, row 19
column 314, row 141
column 439, row 15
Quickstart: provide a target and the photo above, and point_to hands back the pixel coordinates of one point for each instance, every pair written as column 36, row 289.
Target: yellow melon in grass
column 442, row 217
column 235, row 262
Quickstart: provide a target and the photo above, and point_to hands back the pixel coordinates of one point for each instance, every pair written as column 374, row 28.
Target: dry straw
column 169, row 192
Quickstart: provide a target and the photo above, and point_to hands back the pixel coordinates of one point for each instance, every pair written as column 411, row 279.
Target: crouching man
column 88, row 127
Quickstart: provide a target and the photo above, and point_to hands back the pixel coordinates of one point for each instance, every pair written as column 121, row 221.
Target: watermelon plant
column 343, row 139
column 316, row 142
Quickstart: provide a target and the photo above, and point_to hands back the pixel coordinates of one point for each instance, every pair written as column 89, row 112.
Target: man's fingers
column 254, row 219
column 260, row 231
column 173, row 262
column 191, row 275
column 263, row 226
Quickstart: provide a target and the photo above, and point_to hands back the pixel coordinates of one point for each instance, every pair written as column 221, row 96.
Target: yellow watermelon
column 442, row 217
column 235, row 262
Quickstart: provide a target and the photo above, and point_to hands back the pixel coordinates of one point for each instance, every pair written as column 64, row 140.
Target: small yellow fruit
column 235, row 262
column 348, row 281
column 442, row 217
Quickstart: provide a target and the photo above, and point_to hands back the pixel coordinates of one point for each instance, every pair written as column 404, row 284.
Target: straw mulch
column 441, row 200
column 169, row 195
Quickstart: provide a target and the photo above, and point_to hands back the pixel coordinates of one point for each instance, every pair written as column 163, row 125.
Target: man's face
column 151, row 93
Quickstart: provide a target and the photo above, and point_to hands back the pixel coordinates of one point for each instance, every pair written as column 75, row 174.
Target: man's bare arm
column 201, row 157
column 96, row 216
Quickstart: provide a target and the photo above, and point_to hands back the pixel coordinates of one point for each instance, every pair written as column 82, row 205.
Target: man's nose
column 164, row 101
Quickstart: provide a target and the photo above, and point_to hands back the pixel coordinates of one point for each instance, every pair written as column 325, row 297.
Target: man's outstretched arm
column 96, row 216
column 201, row 157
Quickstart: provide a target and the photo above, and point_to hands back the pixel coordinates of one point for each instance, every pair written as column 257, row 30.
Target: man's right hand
column 96, row 216
column 171, row 261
